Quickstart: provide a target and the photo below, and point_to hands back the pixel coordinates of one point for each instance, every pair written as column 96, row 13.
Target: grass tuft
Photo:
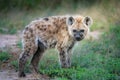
column 4, row 56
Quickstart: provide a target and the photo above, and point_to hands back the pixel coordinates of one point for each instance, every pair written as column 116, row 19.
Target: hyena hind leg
column 37, row 56
column 24, row 57
column 22, row 62
column 29, row 48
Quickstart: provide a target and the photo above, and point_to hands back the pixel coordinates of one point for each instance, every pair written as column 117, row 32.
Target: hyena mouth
column 79, row 39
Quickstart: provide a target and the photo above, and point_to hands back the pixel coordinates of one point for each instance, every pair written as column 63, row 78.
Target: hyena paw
column 65, row 66
column 21, row 74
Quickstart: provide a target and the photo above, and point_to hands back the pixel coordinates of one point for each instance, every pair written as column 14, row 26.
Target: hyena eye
column 82, row 30
column 74, row 30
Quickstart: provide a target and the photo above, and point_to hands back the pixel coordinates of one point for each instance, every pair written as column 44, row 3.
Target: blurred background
column 15, row 14
column 95, row 58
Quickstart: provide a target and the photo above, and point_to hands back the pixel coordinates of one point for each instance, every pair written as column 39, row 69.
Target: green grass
column 14, row 63
column 4, row 56
column 85, row 66
column 19, row 44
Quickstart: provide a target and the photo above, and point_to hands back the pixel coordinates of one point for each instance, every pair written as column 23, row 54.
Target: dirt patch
column 9, row 43
column 12, row 75
column 8, row 40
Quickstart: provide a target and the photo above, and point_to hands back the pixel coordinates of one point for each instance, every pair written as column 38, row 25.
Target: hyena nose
column 77, row 37
column 81, row 35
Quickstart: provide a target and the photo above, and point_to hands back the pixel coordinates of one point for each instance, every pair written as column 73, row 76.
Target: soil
column 9, row 43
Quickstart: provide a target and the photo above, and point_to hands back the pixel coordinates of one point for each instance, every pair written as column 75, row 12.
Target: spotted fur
column 60, row 32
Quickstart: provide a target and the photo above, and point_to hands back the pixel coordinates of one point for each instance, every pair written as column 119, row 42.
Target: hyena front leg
column 37, row 56
column 69, row 53
column 69, row 58
column 63, row 58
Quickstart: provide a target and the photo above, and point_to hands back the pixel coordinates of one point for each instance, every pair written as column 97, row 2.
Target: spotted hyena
column 61, row 32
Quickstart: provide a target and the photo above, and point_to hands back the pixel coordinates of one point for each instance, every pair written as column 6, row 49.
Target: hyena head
column 78, row 26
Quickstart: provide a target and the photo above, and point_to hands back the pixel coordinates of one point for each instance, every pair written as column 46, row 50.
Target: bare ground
column 9, row 43
column 12, row 75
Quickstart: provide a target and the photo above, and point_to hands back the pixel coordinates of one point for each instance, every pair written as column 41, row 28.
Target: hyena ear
column 88, row 21
column 70, row 20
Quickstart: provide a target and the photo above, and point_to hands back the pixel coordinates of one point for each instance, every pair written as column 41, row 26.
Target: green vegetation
column 19, row 44
column 14, row 63
column 41, row 4
column 4, row 56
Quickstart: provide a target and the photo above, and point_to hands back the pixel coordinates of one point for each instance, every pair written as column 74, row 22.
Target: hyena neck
column 62, row 31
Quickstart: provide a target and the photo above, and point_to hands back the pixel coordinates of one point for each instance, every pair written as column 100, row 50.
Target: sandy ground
column 12, row 75
column 9, row 43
